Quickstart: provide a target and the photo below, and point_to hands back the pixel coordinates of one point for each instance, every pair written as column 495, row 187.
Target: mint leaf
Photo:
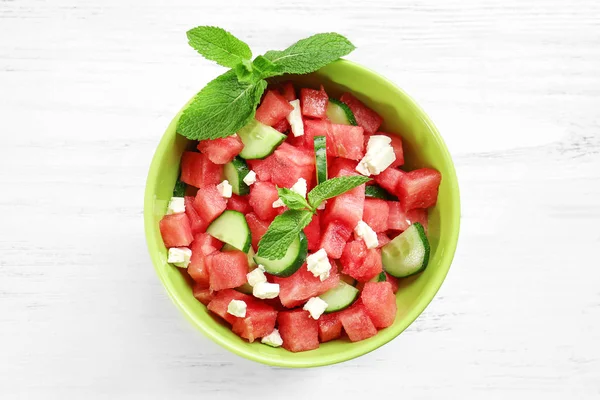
column 282, row 232
column 292, row 199
column 334, row 187
column 218, row 45
column 266, row 67
column 310, row 54
column 220, row 109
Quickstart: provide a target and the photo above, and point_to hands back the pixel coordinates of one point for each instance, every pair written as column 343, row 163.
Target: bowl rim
column 425, row 299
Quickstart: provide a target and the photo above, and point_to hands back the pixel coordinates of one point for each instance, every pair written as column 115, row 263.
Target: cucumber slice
column 179, row 189
column 340, row 297
column 235, row 172
column 320, row 158
column 407, row 254
column 259, row 140
column 291, row 261
column 379, row 277
column 378, row 192
column 338, row 112
column 231, row 227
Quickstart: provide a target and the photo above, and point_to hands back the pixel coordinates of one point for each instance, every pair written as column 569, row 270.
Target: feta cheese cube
column 179, row 256
column 362, row 168
column 273, row 339
column 261, row 267
column 295, row 119
column 176, row 205
column 367, row 234
column 378, row 142
column 237, row 308
column 385, row 158
column 266, row 290
column 315, row 307
column 318, row 264
column 225, row 189
column 255, row 277
column 380, row 155
column 250, row 178
column 278, row 203
column 300, row 187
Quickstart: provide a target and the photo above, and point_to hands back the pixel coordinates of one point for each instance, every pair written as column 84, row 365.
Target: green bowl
column 423, row 147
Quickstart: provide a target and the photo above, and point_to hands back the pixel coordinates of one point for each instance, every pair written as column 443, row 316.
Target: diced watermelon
column 209, row 203
column 347, row 207
column 221, row 300
column 259, row 321
column 334, row 238
column 239, row 203
column 359, row 262
column 419, row 215
column 262, row 196
column 263, row 168
column 274, row 108
column 298, row 330
column 419, row 188
column 302, row 285
column 314, row 128
column 258, row 227
column 202, row 246
column 313, row 233
column 380, row 303
column 176, row 230
column 339, row 164
column 313, row 102
column 348, row 141
column 202, row 294
column 197, row 170
column 356, row 322
column 389, row 179
column 292, row 163
column 330, row 327
column 375, row 214
column 393, row 281
column 365, row 117
column 397, row 220
column 196, row 222
column 222, row 150
column 282, row 126
column 227, row 269
column 287, row 91
column 382, row 239
column 190, row 191
column 397, row 145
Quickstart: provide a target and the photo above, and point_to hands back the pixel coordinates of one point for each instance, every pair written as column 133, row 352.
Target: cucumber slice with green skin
column 259, row 140
column 377, row 192
column 407, row 254
column 379, row 277
column 340, row 297
column 338, row 112
column 291, row 261
column 179, row 189
column 235, row 172
column 231, row 227
column 320, row 158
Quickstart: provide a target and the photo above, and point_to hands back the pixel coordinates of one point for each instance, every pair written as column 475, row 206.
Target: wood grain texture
column 86, row 91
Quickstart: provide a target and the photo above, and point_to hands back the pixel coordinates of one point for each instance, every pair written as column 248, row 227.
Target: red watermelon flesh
column 292, row 163
column 202, row 294
column 353, row 256
column 221, row 300
column 202, row 246
column 298, row 330
column 262, row 196
column 347, row 208
column 222, row 150
column 356, row 322
column 282, row 126
column 302, row 285
column 348, row 141
column 397, row 219
column 359, row 262
column 259, row 321
column 312, row 128
column 397, row 145
column 389, row 179
column 338, row 164
column 239, row 203
column 419, row 215
column 382, row 239
column 258, row 227
column 330, row 327
column 380, row 303
column 419, row 188
column 365, row 117
column 313, row 102
column 209, row 203
column 227, row 269
column 197, row 170
column 313, row 233
column 393, row 281
column 375, row 214
column 287, row 91
column 273, row 108
column 176, row 230
column 196, row 222
column 263, row 168
column 334, row 238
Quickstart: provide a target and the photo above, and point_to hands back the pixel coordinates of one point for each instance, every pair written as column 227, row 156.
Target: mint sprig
column 286, row 227
column 228, row 102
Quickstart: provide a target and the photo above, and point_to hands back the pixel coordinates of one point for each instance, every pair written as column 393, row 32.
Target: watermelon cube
column 258, row 227
column 330, row 327
column 263, row 168
column 313, row 233
column 317, row 127
column 227, row 269
column 419, row 188
column 259, row 321
column 287, row 91
column 262, row 196
column 298, row 330
column 313, row 102
column 393, row 281
column 334, row 238
column 302, row 285
column 348, row 141
column 222, row 150
column 273, row 108
column 176, row 230
column 221, row 300
column 382, row 239
column 396, row 145
column 397, row 219
column 365, row 117
column 389, row 179
column 283, row 126
column 239, row 203
column 356, row 322
column 375, row 214
column 202, row 246
column 196, row 222
column 347, row 208
column 197, row 170
column 209, row 203
column 359, row 262
column 338, row 164
column 291, row 164
column 202, row 294
column 419, row 215
column 380, row 303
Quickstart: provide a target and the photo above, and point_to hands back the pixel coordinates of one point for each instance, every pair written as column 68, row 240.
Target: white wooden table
column 86, row 91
